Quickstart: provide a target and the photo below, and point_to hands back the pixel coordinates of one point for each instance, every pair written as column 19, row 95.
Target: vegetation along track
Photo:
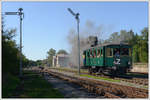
column 136, row 78
column 102, row 88
column 126, row 78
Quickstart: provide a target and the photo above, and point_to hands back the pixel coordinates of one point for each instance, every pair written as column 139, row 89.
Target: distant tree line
column 49, row 59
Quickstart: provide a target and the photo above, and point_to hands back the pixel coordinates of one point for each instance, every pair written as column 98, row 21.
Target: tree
column 51, row 53
column 62, row 52
column 123, row 35
column 10, row 52
column 144, row 45
column 114, row 37
column 25, row 61
column 135, row 54
column 132, row 38
column 10, row 61
column 39, row 62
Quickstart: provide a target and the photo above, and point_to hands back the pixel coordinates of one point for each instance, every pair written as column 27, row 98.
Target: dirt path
column 69, row 90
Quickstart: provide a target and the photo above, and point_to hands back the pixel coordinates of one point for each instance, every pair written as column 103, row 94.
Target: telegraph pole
column 77, row 18
column 21, row 14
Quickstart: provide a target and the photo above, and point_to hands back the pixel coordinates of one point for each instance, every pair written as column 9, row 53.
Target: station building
column 61, row 60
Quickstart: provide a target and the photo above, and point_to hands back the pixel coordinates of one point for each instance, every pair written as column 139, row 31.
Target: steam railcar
column 109, row 58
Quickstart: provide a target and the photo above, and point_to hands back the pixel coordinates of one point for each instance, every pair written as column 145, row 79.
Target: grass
column 102, row 78
column 107, row 79
column 9, row 87
column 35, row 86
column 146, row 87
column 138, row 75
column 84, row 75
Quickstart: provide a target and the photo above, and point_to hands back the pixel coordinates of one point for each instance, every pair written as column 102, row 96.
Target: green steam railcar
column 112, row 58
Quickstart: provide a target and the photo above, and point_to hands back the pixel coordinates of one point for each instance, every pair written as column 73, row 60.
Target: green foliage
column 35, row 86
column 135, row 54
column 10, row 54
column 10, row 61
column 39, row 62
column 113, row 37
column 9, row 86
column 62, row 52
column 50, row 53
column 140, row 45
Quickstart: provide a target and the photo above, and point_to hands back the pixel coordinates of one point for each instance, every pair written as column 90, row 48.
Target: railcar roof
column 108, row 44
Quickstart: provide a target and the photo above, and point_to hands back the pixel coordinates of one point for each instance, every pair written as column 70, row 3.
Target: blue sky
column 47, row 24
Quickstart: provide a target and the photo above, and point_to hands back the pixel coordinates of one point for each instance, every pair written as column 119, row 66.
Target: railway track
column 136, row 81
column 102, row 88
column 124, row 78
column 129, row 79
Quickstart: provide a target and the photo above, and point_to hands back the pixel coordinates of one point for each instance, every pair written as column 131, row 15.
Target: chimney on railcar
column 92, row 40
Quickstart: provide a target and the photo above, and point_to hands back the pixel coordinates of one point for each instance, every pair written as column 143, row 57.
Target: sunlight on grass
column 102, row 78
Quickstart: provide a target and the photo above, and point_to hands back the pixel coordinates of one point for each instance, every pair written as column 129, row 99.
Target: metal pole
column 77, row 17
column 20, row 14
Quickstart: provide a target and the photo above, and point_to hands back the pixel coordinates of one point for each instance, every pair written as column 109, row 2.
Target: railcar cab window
column 94, row 53
column 98, row 53
column 88, row 54
column 124, row 51
column 84, row 54
column 101, row 52
column 91, row 54
column 130, row 51
column 116, row 52
column 109, row 52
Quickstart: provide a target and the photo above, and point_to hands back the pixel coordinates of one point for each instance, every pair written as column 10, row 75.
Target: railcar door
column 87, row 58
column 100, row 56
column 109, row 57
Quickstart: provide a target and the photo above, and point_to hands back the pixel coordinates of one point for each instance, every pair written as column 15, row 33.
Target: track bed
column 100, row 87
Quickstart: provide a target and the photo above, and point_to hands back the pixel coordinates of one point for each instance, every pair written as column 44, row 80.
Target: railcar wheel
column 113, row 73
column 122, row 71
column 90, row 70
column 100, row 71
